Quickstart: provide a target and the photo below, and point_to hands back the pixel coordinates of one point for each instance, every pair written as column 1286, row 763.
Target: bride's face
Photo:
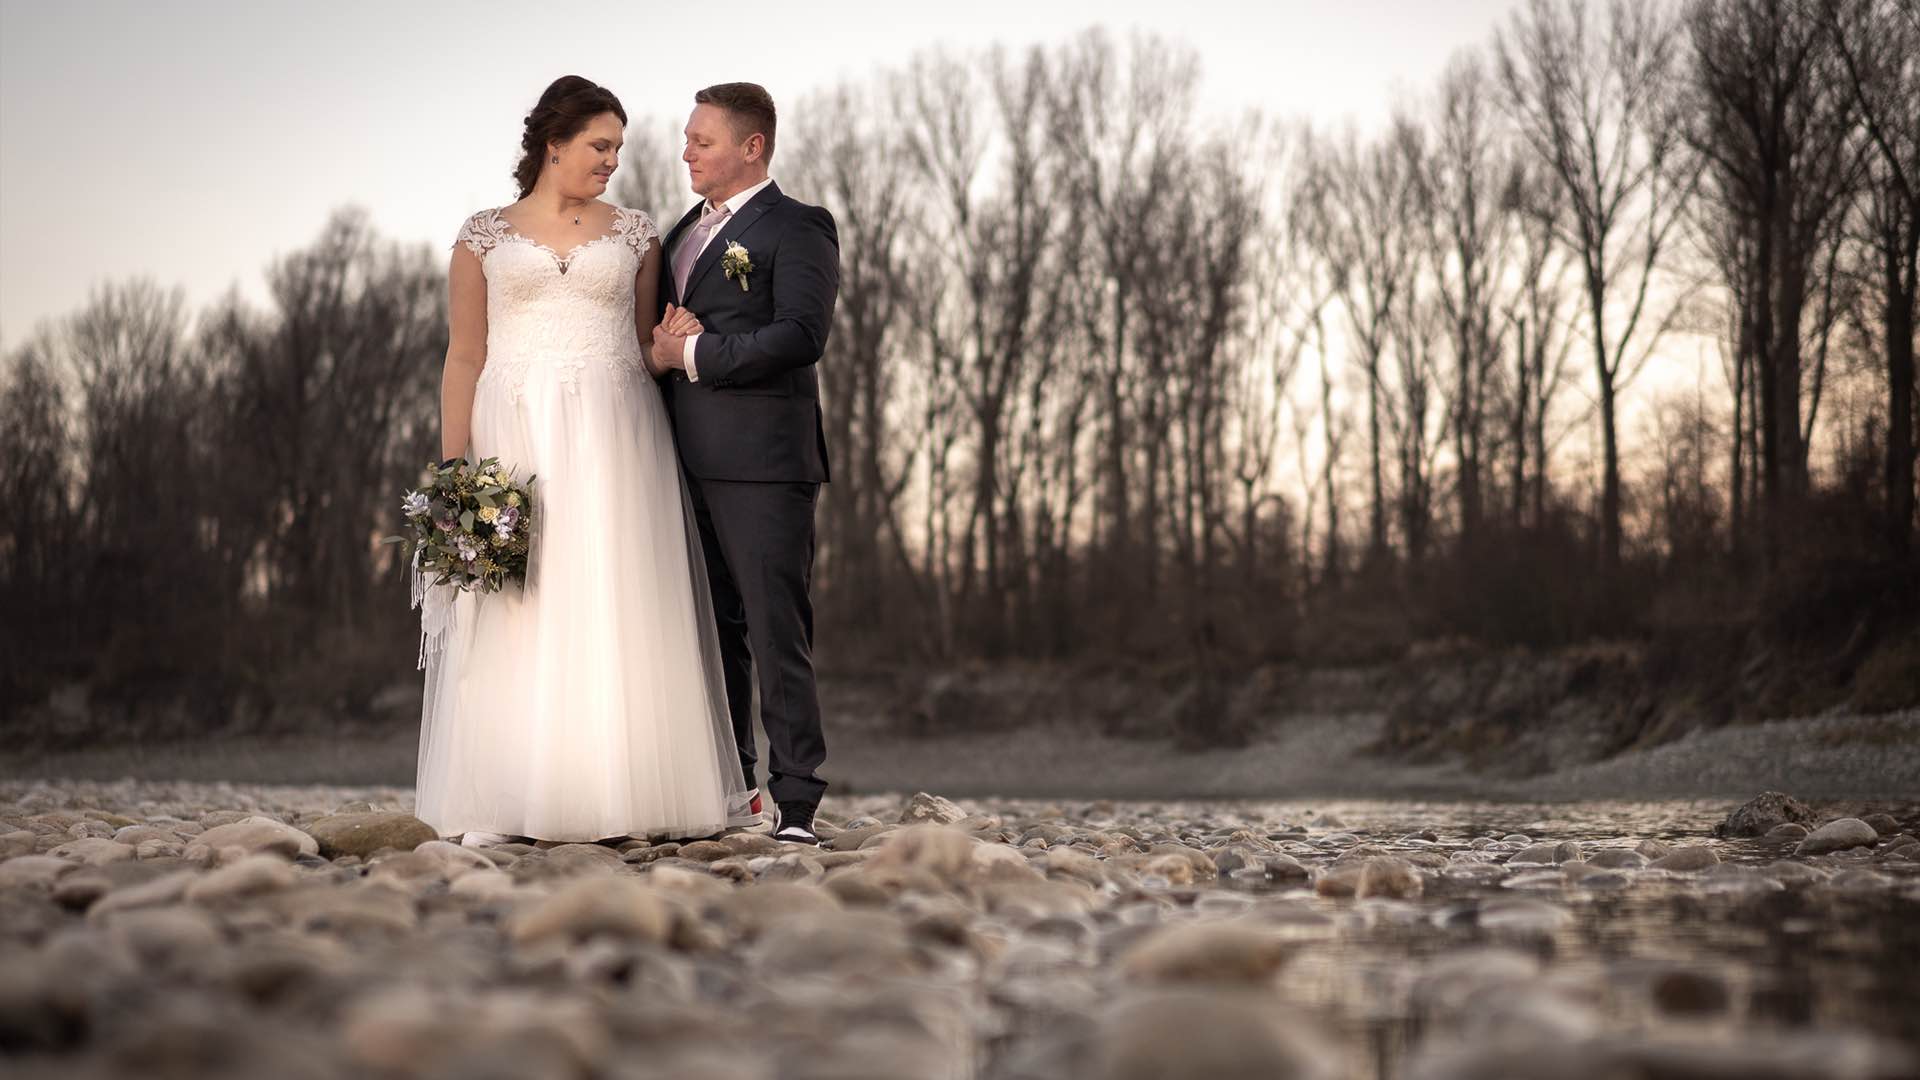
column 587, row 162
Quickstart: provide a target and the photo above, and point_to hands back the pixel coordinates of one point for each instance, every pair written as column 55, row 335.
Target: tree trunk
column 1899, row 306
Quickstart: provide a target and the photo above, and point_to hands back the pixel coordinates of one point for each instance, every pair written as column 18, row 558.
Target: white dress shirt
column 732, row 206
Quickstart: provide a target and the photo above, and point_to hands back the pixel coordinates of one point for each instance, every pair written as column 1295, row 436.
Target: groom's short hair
column 748, row 106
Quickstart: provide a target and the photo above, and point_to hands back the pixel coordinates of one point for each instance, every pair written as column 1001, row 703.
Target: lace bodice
column 548, row 313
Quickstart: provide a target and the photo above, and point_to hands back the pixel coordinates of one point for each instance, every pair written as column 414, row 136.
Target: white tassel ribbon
column 436, row 614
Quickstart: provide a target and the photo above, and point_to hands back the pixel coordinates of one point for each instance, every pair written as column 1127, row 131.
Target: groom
column 760, row 271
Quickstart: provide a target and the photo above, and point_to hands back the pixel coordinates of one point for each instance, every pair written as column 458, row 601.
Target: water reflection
column 1712, row 957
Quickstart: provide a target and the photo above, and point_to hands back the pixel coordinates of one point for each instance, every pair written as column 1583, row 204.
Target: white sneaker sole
column 755, row 823
column 749, row 821
column 483, row 839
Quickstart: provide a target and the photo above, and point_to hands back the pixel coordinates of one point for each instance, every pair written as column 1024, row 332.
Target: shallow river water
column 1715, row 957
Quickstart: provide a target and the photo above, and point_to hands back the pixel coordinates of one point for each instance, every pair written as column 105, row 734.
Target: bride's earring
column 556, row 159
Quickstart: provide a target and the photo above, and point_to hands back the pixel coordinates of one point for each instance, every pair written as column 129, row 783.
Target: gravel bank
column 215, row 930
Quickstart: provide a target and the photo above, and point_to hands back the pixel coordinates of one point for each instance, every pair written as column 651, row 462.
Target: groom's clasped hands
column 670, row 338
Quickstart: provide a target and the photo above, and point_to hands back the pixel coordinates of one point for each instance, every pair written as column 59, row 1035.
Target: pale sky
column 193, row 141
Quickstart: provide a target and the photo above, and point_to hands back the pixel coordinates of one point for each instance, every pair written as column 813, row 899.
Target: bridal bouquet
column 469, row 526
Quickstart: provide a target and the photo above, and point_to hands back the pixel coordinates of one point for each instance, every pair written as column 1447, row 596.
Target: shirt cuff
column 686, row 358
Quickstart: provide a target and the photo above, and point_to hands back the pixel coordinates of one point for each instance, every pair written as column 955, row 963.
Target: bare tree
column 1770, row 116
column 855, row 167
column 651, row 177
column 1537, row 318
column 334, row 391
column 1358, row 204
column 1121, row 122
column 1289, row 294
column 998, row 242
column 1467, row 226
column 1878, row 42
column 1416, row 422
column 1221, row 228
column 1335, row 425
column 39, row 581
column 1594, row 101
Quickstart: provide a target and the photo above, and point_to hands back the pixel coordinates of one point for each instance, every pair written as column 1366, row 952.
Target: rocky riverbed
column 153, row 929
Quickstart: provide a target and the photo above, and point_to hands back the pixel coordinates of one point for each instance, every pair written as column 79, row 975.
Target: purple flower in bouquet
column 415, row 504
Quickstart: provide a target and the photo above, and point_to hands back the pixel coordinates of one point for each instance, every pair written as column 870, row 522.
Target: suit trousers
column 759, row 545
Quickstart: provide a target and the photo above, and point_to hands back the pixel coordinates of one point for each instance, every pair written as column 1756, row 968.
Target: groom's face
column 718, row 163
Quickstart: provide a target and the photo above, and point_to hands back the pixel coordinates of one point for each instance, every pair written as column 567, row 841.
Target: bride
column 588, row 704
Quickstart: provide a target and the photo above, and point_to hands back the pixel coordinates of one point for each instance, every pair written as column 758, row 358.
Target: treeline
column 192, row 505
column 1114, row 380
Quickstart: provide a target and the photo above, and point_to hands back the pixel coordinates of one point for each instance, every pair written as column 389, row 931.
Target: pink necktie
column 690, row 248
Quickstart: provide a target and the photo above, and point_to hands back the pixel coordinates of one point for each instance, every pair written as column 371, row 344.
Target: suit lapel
column 673, row 237
column 736, row 226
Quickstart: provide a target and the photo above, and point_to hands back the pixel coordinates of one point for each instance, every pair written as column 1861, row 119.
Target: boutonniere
column 736, row 263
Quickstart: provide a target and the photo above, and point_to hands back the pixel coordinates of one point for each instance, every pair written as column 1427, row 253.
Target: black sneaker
column 795, row 824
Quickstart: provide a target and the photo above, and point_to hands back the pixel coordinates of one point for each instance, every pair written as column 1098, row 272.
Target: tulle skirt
column 588, row 703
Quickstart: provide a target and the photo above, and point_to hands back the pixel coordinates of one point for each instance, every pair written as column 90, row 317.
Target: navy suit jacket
column 755, row 413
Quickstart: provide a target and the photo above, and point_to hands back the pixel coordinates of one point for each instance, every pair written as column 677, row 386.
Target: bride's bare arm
column 646, row 300
column 466, row 349
column 646, row 305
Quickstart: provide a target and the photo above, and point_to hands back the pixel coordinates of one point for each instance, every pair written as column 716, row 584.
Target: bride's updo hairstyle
column 563, row 112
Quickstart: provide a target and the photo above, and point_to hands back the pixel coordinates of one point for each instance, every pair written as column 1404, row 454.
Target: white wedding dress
column 589, row 703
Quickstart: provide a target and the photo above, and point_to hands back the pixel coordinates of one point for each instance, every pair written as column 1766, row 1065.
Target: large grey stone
column 1207, row 953
column 251, row 876
column 1194, row 1032
column 862, row 944
column 1763, row 812
column 135, row 835
column 363, row 834
column 1884, row 824
column 372, row 905
column 168, row 888
column 924, row 807
column 1535, row 855
column 623, row 907
column 752, row 910
column 1838, row 835
column 1389, row 877
column 946, row 853
column 18, row 842
column 37, row 871
column 163, row 937
column 94, row 851
column 259, row 834
column 1687, row 859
